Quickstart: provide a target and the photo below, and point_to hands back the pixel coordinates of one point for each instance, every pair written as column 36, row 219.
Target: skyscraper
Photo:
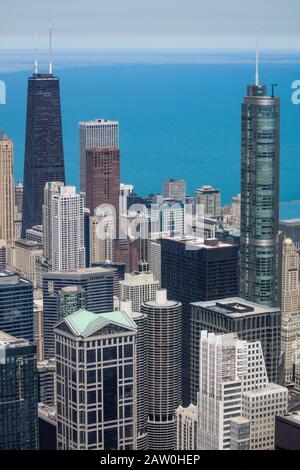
column 67, row 230
column 44, row 157
column 210, row 198
column 259, row 195
column 96, row 353
column 6, row 190
column 100, row 133
column 174, row 189
column 16, row 306
column 18, row 394
column 164, row 369
column 103, row 178
column 193, row 270
column 98, row 288
column 50, row 189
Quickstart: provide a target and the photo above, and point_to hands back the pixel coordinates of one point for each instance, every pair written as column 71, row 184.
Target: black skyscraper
column 44, row 157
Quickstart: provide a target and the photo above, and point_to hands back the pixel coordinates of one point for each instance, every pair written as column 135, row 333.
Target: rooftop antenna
column 257, row 61
column 36, row 64
column 273, row 85
column 50, row 49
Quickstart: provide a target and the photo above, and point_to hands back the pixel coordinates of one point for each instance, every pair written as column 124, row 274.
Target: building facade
column 7, row 209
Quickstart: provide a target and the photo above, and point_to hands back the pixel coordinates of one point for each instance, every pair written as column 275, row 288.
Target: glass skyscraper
column 18, row 394
column 259, row 196
column 44, row 157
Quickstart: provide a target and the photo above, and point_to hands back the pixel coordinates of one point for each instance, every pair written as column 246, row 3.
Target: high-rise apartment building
column 26, row 253
column 96, row 376
column 138, row 287
column 154, row 258
column 7, row 209
column 50, row 189
column 210, row 198
column 174, row 189
column 18, row 394
column 44, row 156
column 290, row 306
column 259, row 196
column 100, row 133
column 168, row 219
column 19, row 196
column 16, row 306
column 187, row 425
column 193, row 270
column 67, row 230
column 97, row 285
column 164, row 369
column 250, row 321
column 234, row 382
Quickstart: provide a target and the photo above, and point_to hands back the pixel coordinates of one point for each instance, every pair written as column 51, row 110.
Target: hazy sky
column 175, row 24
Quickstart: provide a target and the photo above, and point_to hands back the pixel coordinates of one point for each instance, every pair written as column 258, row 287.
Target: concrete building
column 138, row 287
column 239, row 433
column 287, row 432
column 46, row 377
column 210, row 198
column 154, row 259
column 67, row 230
column 251, row 322
column 174, row 189
column 164, row 369
column 101, row 133
column 50, row 189
column 26, row 254
column 96, row 353
column 35, row 234
column 187, row 424
column 7, row 191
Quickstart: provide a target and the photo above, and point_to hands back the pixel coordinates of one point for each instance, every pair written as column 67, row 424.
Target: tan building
column 25, row 257
column 7, row 192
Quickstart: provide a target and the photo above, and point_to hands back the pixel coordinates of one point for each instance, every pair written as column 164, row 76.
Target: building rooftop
column 7, row 340
column 198, row 243
column 272, row 388
column 290, row 221
column 83, row 271
column 3, row 136
column 294, row 417
column 84, row 323
column 234, row 307
column 97, row 121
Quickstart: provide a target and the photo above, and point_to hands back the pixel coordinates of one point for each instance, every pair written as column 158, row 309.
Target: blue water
column 175, row 121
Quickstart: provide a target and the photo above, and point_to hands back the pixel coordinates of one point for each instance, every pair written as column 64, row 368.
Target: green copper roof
column 83, row 322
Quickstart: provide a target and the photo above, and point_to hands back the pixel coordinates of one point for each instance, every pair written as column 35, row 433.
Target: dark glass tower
column 259, row 196
column 44, row 157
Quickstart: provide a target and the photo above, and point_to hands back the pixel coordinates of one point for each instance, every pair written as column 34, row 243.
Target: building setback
column 193, row 271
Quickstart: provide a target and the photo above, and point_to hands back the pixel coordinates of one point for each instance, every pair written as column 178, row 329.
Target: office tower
column 233, row 383
column 44, row 156
column 210, row 198
column 164, row 369
column 290, row 306
column 291, row 229
column 251, row 322
column 119, row 273
column 287, row 431
column 87, row 238
column 100, row 133
column 97, row 353
column 174, row 189
column 239, row 433
column 101, row 239
column 16, row 306
column 154, row 258
column 138, row 287
column 50, row 189
column 7, row 198
column 2, row 257
column 97, row 284
column 19, row 196
column 71, row 299
column 46, row 380
column 259, row 195
column 192, row 270
column 38, row 328
column 18, row 394
column 103, row 178
column 140, row 319
column 67, row 227
column 167, row 218
column 125, row 191
column 26, row 253
column 35, row 234
column 187, row 424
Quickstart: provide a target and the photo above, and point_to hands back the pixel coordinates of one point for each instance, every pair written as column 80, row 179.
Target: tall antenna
column 36, row 64
column 50, row 48
column 257, row 61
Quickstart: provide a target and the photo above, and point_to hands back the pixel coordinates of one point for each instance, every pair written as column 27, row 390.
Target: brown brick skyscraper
column 103, row 178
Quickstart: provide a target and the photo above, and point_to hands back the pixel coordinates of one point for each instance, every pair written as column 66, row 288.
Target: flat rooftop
column 199, row 243
column 94, row 270
column 7, row 340
column 234, row 307
column 294, row 417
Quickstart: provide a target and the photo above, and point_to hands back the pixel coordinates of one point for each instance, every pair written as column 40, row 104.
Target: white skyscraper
column 234, row 382
column 67, row 225
column 50, row 189
column 187, row 424
column 100, row 133
column 138, row 287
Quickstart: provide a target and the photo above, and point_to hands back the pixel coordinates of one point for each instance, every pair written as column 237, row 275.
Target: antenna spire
column 36, row 64
column 50, row 48
column 257, row 61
